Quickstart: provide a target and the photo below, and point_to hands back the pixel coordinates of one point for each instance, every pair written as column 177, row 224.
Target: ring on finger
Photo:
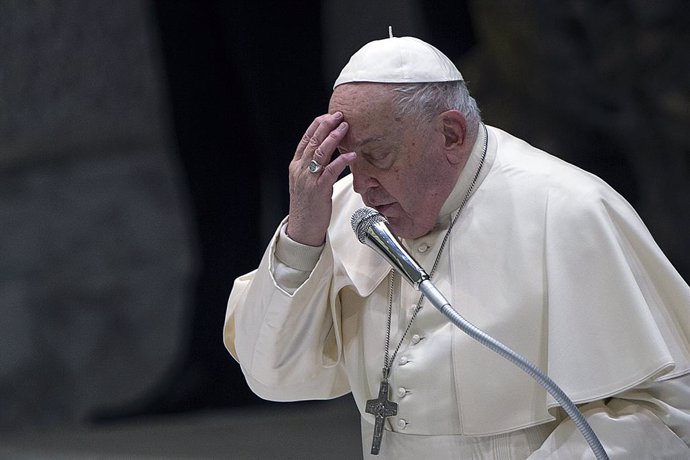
column 315, row 167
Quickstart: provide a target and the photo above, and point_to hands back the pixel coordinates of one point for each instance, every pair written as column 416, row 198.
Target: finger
column 306, row 137
column 325, row 128
column 324, row 152
column 316, row 133
column 333, row 170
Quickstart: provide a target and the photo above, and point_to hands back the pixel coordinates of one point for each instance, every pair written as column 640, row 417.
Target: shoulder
column 523, row 169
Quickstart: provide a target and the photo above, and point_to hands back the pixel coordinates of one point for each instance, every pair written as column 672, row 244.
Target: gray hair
column 424, row 101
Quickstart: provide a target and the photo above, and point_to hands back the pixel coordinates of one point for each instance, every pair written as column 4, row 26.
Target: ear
column 454, row 129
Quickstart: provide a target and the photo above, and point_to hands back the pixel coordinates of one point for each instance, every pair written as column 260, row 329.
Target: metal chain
column 388, row 362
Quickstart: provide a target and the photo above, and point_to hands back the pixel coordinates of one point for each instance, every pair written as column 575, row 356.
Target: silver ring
column 315, row 167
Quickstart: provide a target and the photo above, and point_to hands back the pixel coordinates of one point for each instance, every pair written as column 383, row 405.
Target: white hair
column 423, row 101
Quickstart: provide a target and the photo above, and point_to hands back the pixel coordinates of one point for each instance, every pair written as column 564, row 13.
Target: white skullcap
column 398, row 60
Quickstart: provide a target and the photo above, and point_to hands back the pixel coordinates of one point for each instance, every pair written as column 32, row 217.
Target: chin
column 394, row 226
column 403, row 226
column 401, row 230
column 409, row 231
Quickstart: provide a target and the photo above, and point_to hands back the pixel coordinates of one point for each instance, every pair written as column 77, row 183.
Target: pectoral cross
column 381, row 408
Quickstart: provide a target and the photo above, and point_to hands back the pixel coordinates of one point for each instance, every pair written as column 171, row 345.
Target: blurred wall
column 96, row 252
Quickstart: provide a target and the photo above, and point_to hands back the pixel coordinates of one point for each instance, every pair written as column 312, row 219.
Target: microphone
column 371, row 228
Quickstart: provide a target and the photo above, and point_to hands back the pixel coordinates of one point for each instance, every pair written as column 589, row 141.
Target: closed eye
column 380, row 159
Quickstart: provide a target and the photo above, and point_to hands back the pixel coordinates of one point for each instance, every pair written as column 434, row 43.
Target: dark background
column 144, row 148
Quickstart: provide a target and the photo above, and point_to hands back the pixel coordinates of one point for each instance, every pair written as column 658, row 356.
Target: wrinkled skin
column 402, row 168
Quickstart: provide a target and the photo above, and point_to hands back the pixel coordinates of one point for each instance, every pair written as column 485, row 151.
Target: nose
column 362, row 176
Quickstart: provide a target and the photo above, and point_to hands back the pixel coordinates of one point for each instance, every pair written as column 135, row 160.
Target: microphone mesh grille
column 362, row 219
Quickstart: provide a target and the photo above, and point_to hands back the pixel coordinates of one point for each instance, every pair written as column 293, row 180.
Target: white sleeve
column 649, row 421
column 287, row 340
column 293, row 261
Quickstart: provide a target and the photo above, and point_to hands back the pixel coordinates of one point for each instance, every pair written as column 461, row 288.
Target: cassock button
column 402, row 423
column 422, row 248
column 415, row 339
column 403, row 360
column 402, row 392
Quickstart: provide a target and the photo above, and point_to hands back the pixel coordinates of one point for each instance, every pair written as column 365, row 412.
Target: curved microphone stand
column 438, row 301
column 371, row 229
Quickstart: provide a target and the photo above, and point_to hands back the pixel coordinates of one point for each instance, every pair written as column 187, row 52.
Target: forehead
column 368, row 108
column 356, row 99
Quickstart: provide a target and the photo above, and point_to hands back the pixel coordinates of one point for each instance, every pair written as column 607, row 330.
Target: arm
column 285, row 339
column 280, row 319
column 651, row 420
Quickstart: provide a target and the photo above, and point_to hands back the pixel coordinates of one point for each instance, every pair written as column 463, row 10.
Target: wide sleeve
column 287, row 341
column 649, row 421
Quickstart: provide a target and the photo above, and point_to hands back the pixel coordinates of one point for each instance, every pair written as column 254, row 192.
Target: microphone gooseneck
column 371, row 229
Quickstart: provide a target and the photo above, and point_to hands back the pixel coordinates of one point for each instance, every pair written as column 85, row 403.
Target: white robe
column 544, row 257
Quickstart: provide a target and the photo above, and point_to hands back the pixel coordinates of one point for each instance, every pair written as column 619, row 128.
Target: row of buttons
column 415, row 339
column 402, row 391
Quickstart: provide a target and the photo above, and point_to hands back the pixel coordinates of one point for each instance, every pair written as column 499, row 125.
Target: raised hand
column 312, row 175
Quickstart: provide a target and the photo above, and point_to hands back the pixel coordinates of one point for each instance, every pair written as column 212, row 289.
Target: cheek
column 402, row 185
column 418, row 188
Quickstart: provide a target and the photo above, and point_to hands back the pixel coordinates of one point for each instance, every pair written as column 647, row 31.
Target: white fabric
column 398, row 60
column 545, row 258
column 514, row 445
column 651, row 421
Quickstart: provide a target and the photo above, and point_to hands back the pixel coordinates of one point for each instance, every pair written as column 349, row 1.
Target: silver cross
column 381, row 408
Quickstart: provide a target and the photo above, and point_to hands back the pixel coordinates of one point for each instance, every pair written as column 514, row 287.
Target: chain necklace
column 381, row 407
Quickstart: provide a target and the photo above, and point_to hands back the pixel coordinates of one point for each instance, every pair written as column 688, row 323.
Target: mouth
column 382, row 208
column 381, row 205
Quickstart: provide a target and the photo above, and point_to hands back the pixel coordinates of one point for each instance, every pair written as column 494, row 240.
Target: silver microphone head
column 362, row 219
column 371, row 228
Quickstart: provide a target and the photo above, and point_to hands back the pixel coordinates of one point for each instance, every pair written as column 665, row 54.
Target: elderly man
column 540, row 255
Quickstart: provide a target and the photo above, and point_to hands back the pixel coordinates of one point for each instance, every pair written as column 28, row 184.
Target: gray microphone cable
column 372, row 230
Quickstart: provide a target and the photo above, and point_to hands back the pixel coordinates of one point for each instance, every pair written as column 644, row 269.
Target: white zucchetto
column 398, row 60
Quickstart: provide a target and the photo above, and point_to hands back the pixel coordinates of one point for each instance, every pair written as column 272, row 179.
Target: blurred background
column 144, row 148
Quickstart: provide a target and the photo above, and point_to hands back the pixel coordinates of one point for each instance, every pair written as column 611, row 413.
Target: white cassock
column 545, row 258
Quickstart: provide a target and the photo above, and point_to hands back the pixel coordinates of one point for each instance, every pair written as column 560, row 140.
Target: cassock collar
column 464, row 182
